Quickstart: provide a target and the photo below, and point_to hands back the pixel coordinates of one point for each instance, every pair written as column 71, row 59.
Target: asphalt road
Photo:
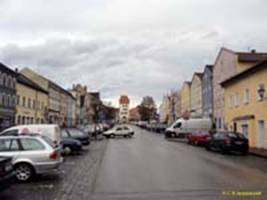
column 150, row 167
column 147, row 167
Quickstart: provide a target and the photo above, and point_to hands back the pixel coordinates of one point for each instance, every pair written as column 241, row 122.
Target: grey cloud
column 125, row 46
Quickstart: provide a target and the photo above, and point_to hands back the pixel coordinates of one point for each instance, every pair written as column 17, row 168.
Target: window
column 29, row 103
column 18, row 99
column 64, row 134
column 236, row 101
column 19, row 119
column 4, row 80
column 178, row 125
column 246, row 96
column 5, row 144
column 31, row 144
column 118, row 129
column 14, row 146
column 230, row 101
column 23, row 101
column 260, row 92
column 33, row 104
column 11, row 132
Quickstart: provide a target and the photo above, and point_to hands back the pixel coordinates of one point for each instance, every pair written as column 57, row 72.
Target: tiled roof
column 251, row 56
column 246, row 73
column 124, row 99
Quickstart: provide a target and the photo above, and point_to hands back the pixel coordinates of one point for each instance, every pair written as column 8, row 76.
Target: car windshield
column 48, row 141
column 75, row 132
column 64, row 133
column 236, row 135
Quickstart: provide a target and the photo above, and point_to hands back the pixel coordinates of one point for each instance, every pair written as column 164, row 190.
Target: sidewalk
column 258, row 152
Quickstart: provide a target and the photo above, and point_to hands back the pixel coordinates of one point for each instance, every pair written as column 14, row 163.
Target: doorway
column 261, row 134
column 245, row 130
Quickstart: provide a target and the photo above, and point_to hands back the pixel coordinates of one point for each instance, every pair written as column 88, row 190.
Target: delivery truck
column 181, row 127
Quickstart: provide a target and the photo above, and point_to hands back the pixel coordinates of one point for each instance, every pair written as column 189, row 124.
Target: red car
column 197, row 138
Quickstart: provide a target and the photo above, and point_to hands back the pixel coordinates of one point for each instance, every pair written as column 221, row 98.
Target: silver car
column 31, row 155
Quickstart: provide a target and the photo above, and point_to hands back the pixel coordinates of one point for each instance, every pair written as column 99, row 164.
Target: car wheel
column 112, row 135
column 24, row 172
column 207, row 147
column 244, row 153
column 223, row 150
column 67, row 150
column 107, row 136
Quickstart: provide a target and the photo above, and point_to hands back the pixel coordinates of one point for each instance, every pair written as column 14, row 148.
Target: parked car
column 70, row 145
column 77, row 134
column 226, row 142
column 31, row 154
column 120, row 130
column 198, row 138
column 6, row 173
column 50, row 130
column 183, row 127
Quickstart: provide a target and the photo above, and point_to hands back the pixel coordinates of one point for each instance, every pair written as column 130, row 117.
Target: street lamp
column 261, row 91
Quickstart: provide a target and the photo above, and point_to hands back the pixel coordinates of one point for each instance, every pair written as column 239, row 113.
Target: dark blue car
column 7, row 175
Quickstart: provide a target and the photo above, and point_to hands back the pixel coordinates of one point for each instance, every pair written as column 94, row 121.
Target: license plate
column 239, row 142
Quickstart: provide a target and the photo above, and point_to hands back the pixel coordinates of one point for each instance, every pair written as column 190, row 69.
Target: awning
column 244, row 117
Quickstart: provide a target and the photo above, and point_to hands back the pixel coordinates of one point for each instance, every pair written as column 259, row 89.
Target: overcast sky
column 134, row 47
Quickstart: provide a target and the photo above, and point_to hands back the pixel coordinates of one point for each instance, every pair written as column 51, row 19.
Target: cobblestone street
column 74, row 181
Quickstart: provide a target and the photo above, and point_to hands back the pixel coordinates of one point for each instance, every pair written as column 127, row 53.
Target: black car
column 7, row 175
column 70, row 145
column 76, row 134
column 226, row 142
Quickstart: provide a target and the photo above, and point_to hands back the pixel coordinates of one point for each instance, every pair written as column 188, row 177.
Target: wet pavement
column 148, row 167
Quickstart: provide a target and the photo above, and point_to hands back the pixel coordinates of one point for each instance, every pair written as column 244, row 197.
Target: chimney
column 16, row 70
column 253, row 51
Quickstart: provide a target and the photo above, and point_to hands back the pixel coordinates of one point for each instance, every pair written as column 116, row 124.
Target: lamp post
column 261, row 92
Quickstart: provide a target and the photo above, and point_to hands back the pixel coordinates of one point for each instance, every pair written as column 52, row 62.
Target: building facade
column 185, row 99
column 246, row 103
column 227, row 64
column 71, row 111
column 134, row 114
column 124, row 103
column 196, row 96
column 78, row 92
column 54, row 104
column 7, row 97
column 31, row 102
column 164, row 110
column 207, row 92
column 63, row 113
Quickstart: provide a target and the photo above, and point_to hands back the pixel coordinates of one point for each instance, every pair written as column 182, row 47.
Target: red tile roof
column 124, row 100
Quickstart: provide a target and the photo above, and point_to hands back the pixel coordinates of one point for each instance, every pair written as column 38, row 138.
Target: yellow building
column 32, row 102
column 245, row 107
column 185, row 99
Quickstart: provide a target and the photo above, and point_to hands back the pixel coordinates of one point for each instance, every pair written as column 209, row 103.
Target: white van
column 50, row 130
column 182, row 127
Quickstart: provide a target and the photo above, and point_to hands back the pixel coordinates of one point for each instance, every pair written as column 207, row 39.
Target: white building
column 124, row 103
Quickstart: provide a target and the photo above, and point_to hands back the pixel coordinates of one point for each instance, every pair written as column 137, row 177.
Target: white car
column 121, row 130
column 50, row 130
column 31, row 154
